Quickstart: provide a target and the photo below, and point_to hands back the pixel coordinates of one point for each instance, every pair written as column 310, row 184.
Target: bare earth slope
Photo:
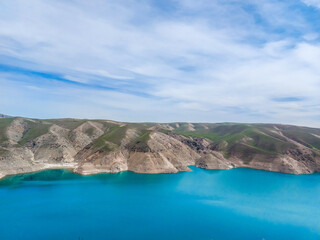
column 98, row 146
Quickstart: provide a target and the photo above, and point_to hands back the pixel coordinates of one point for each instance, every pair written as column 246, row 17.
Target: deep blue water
column 203, row 204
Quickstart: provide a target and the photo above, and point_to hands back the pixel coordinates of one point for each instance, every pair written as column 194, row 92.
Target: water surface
column 202, row 204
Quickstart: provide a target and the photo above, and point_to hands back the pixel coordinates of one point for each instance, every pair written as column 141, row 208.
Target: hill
column 96, row 146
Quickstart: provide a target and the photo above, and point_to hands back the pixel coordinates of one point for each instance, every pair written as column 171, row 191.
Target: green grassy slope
column 248, row 140
column 233, row 139
column 4, row 124
column 36, row 129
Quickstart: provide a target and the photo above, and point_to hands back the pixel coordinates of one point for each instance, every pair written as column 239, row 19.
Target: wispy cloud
column 315, row 3
column 162, row 60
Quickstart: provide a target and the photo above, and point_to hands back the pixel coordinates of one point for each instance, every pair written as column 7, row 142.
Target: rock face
column 101, row 146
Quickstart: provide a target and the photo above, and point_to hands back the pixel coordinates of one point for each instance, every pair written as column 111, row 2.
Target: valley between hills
column 103, row 146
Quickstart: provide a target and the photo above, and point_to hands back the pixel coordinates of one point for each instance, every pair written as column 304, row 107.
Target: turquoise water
column 203, row 204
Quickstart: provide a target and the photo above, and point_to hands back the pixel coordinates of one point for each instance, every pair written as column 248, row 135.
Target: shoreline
column 73, row 170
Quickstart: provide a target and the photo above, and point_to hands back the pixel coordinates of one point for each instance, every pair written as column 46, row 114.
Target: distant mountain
column 95, row 146
column 3, row 116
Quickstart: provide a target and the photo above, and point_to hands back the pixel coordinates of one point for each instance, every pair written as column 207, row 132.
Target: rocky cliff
column 102, row 146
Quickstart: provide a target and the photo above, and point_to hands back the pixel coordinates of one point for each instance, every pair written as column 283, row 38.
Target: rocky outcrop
column 98, row 146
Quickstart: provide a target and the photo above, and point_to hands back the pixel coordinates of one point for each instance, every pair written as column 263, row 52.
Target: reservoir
column 202, row 204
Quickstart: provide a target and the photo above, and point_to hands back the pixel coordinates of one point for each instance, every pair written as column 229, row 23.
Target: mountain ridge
column 4, row 116
column 98, row 146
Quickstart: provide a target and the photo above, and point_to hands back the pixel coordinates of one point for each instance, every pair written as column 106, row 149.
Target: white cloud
column 205, row 61
column 315, row 3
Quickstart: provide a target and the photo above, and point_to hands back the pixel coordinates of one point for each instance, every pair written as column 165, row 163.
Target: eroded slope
column 95, row 146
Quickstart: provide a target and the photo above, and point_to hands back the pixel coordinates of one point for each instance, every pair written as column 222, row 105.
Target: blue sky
column 162, row 61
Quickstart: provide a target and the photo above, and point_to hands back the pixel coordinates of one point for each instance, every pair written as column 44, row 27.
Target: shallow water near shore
column 202, row 204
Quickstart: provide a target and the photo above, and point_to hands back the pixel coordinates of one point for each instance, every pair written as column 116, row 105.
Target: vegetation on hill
column 157, row 147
